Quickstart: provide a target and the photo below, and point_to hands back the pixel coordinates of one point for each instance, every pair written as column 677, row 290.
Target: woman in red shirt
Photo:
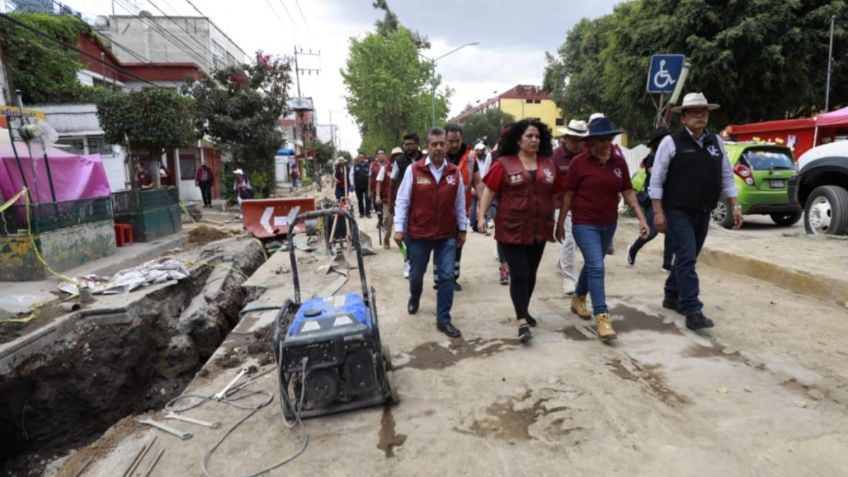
column 525, row 180
column 595, row 178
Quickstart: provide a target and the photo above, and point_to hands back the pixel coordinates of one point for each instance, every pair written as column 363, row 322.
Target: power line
column 6, row 17
column 288, row 14
column 279, row 19
column 177, row 42
column 204, row 47
column 296, row 2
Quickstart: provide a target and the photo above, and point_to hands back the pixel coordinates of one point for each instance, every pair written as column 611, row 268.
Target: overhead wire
column 305, row 23
column 190, row 35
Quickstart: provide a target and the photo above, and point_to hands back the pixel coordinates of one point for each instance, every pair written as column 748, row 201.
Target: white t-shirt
column 381, row 174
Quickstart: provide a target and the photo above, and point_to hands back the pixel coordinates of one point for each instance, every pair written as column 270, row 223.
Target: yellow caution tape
column 11, row 201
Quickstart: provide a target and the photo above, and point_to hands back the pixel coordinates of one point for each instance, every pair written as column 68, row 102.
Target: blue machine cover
column 330, row 313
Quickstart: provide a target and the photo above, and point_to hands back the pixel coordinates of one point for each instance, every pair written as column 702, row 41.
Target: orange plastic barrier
column 266, row 218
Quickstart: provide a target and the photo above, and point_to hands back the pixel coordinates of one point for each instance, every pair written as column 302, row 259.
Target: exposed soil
column 204, row 234
column 66, row 394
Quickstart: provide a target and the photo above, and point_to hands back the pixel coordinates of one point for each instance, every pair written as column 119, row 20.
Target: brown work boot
column 578, row 306
column 605, row 330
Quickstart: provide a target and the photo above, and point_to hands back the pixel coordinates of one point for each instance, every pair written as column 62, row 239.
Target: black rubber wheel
column 786, row 219
column 826, row 211
column 723, row 213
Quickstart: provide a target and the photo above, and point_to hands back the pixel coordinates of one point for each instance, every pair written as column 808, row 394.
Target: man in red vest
column 430, row 210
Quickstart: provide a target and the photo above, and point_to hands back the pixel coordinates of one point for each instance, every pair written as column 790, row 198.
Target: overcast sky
column 512, row 35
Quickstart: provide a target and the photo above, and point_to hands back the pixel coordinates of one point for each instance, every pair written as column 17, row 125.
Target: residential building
column 522, row 102
column 169, row 40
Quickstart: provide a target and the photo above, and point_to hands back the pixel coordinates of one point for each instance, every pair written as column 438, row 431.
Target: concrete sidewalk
column 795, row 261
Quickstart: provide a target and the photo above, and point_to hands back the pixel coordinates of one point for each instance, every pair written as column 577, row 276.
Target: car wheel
column 723, row 213
column 826, row 211
column 786, row 219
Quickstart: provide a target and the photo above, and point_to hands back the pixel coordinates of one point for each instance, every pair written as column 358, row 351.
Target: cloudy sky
column 512, row 35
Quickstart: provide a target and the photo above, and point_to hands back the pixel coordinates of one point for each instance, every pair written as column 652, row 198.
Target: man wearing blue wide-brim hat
column 691, row 172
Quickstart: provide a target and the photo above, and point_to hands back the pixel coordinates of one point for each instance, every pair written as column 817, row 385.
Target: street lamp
column 433, row 62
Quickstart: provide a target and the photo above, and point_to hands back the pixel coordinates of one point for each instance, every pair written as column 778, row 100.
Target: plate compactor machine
column 329, row 354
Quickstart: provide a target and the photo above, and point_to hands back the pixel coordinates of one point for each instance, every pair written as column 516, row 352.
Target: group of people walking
column 570, row 195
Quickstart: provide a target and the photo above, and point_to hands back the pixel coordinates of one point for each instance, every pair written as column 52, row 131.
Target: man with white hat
column 570, row 142
column 691, row 172
column 480, row 156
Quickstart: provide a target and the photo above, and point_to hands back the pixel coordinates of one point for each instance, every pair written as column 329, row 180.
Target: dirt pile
column 204, row 234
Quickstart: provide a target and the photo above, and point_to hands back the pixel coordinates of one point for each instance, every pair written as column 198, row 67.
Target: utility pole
column 298, row 70
column 829, row 65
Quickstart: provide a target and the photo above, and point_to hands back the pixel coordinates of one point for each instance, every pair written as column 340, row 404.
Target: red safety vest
column 431, row 212
column 525, row 207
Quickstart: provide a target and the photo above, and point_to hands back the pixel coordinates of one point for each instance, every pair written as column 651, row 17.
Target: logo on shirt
column 549, row 176
column 451, row 180
column 617, row 172
column 713, row 150
column 423, row 180
column 516, row 179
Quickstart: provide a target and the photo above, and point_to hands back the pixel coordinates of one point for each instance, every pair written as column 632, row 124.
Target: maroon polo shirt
column 596, row 188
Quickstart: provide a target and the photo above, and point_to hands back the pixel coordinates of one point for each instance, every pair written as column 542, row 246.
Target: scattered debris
column 722, row 390
column 802, row 404
column 205, row 234
column 155, row 271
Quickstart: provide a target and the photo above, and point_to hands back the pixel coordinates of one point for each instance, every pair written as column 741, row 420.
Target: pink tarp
column 74, row 177
column 840, row 116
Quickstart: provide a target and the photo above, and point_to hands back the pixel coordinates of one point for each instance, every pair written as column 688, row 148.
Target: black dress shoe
column 696, row 321
column 448, row 329
column 412, row 306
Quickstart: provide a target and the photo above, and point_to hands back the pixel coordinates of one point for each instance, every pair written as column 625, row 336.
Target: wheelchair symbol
column 662, row 78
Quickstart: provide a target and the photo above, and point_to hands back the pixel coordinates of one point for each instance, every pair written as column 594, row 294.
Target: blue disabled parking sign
column 664, row 73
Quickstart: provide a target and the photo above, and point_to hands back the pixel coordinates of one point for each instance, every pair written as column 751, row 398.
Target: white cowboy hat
column 479, row 146
column 575, row 128
column 695, row 100
column 239, row 172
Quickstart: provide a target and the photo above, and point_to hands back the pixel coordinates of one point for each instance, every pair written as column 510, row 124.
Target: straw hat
column 695, row 100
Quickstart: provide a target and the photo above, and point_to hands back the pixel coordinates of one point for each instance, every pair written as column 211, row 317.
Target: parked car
column 762, row 172
column 821, row 188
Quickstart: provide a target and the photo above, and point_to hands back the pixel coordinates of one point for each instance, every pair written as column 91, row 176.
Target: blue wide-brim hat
column 600, row 127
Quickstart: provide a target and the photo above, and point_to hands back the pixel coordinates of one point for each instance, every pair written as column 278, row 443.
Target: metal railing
column 55, row 215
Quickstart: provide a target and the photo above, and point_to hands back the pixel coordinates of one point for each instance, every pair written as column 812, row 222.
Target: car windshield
column 765, row 160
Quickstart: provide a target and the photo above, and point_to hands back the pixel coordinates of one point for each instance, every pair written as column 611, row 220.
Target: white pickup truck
column 821, row 188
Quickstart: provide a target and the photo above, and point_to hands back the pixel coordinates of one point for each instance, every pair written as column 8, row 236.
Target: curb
column 799, row 281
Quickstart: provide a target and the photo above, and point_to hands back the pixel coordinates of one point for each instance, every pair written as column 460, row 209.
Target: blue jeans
column 668, row 255
column 444, row 256
column 687, row 231
column 593, row 242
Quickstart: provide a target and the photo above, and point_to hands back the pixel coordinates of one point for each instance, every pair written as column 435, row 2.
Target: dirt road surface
column 763, row 393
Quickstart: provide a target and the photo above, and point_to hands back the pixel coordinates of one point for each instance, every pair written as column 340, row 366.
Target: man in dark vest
column 691, row 172
column 411, row 153
column 430, row 214
column 340, row 178
column 361, row 174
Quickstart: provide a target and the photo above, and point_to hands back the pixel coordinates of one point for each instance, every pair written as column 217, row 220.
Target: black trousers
column 523, row 261
column 206, row 192
column 363, row 201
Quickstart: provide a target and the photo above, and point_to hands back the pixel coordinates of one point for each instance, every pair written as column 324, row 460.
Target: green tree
column 325, row 153
column 761, row 60
column 389, row 89
column 42, row 69
column 148, row 121
column 485, row 126
column 239, row 107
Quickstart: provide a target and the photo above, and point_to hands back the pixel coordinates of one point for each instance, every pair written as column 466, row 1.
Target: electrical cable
column 173, row 39
column 204, row 47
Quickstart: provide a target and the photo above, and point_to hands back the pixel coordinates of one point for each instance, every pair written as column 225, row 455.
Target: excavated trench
column 111, row 366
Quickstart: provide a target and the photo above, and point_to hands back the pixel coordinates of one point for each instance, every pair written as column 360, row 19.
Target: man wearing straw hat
column 570, row 143
column 691, row 172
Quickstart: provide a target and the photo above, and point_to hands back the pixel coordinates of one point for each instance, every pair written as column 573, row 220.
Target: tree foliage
column 389, row 89
column 148, row 121
column 239, row 107
column 485, row 126
column 43, row 70
column 325, row 152
column 760, row 60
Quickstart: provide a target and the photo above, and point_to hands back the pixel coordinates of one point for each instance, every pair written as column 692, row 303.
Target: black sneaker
column 524, row 333
column 696, row 321
column 531, row 321
column 457, row 286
